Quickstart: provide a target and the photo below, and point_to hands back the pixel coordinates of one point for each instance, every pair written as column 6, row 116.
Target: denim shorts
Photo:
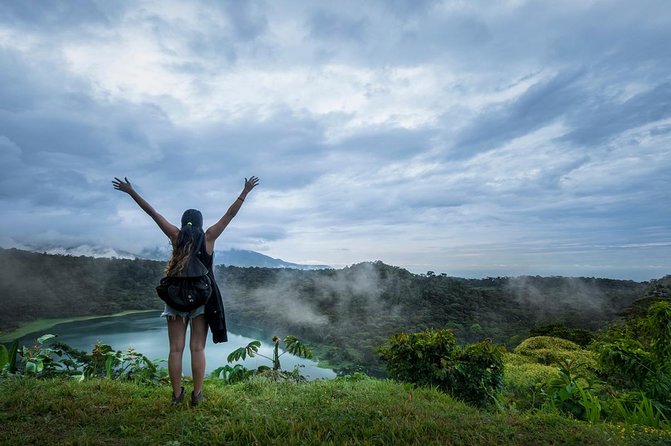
column 170, row 312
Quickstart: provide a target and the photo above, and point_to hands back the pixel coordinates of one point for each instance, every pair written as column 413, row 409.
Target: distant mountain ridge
column 236, row 257
column 228, row 257
column 245, row 258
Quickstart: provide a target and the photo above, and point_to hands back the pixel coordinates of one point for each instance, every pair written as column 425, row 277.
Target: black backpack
column 189, row 289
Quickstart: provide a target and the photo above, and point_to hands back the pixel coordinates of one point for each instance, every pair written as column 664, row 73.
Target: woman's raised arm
column 214, row 231
column 168, row 228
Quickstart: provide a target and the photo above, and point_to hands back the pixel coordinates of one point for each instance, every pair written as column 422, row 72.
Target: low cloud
column 557, row 295
column 355, row 289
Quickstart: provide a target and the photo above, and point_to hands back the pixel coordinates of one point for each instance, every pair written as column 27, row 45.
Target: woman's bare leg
column 176, row 337
column 197, row 346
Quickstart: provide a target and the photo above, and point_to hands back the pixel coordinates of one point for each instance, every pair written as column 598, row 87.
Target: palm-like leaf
column 250, row 350
column 297, row 348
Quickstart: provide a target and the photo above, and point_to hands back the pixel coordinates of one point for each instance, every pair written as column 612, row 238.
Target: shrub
column 523, row 379
column 472, row 373
column 637, row 355
column 625, row 362
column 558, row 330
column 545, row 342
column 573, row 394
column 47, row 360
column 43, row 360
column 415, row 357
column 477, row 375
column 548, row 350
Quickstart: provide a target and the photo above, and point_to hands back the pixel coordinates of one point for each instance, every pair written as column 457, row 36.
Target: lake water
column 147, row 333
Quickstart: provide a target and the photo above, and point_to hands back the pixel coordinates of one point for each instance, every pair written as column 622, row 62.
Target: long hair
column 183, row 247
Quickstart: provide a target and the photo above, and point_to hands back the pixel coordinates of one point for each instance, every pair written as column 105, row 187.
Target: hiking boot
column 197, row 399
column 180, row 398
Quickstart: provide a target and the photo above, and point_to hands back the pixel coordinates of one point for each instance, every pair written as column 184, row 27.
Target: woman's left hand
column 251, row 183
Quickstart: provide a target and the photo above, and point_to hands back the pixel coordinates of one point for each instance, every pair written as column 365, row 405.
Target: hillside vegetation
column 345, row 314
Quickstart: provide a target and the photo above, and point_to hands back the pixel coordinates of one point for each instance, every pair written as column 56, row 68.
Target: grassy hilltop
column 366, row 412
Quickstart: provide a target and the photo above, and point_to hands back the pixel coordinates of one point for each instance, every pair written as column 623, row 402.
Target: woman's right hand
column 123, row 186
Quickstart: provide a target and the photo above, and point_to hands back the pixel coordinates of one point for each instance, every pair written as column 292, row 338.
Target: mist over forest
column 345, row 313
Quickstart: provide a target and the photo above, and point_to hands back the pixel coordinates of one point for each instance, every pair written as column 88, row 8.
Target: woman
column 211, row 314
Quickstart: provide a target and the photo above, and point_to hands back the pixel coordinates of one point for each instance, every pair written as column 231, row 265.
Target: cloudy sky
column 473, row 138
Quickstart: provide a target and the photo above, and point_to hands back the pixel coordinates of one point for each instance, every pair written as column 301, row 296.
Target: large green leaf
column 240, row 353
column 31, row 368
column 216, row 373
column 108, row 366
column 250, row 350
column 296, row 347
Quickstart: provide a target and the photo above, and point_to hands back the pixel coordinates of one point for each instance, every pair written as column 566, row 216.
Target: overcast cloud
column 473, row 138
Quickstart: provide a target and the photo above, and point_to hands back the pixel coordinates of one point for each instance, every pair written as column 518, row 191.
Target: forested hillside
column 355, row 309
column 345, row 313
column 35, row 286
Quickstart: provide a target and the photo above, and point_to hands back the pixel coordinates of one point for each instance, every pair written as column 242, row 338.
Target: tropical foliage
column 47, row 359
column 549, row 350
column 623, row 377
column 524, row 381
column 573, row 394
column 580, row 336
column 237, row 373
column 472, row 373
column 636, row 356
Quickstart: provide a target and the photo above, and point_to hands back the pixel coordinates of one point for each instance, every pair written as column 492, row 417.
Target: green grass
column 368, row 412
column 45, row 324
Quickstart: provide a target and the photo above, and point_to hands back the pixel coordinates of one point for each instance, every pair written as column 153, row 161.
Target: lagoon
column 147, row 333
